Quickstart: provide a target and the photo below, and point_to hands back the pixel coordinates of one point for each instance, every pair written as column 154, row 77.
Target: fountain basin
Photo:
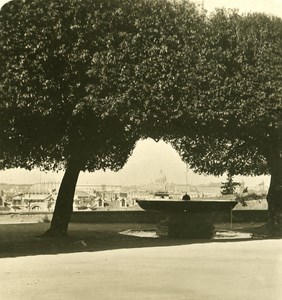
column 182, row 206
column 187, row 219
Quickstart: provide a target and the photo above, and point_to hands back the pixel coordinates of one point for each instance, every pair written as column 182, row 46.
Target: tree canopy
column 89, row 78
column 82, row 81
column 238, row 107
column 48, row 51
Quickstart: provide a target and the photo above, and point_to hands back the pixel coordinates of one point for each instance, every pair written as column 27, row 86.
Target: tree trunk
column 274, row 196
column 64, row 203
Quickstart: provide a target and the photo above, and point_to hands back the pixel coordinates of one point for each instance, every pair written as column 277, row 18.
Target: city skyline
column 145, row 165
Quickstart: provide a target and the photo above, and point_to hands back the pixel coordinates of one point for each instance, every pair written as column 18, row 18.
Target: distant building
column 86, row 201
column 92, row 188
column 44, row 188
column 42, row 196
column 33, row 202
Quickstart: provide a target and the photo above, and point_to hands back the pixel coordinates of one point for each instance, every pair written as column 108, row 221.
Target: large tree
column 48, row 119
column 81, row 81
column 238, row 111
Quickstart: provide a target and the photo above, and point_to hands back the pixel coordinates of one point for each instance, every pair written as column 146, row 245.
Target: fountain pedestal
column 179, row 225
column 187, row 219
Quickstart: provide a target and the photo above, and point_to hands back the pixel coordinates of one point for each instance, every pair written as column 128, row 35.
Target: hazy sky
column 273, row 7
column 149, row 157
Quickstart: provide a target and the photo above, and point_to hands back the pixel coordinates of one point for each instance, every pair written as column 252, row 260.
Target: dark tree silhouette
column 229, row 186
column 82, row 81
column 238, row 119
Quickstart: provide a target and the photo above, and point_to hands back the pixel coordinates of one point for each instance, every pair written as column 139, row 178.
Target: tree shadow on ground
column 23, row 239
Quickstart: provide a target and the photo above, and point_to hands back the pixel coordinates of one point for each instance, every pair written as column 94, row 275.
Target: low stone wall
column 239, row 216
column 125, row 217
column 25, row 217
column 114, row 217
column 152, row 217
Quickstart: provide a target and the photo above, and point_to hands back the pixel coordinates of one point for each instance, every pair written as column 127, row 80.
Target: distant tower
column 161, row 181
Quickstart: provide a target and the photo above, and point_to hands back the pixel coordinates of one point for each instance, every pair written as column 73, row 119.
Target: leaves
column 237, row 96
column 90, row 78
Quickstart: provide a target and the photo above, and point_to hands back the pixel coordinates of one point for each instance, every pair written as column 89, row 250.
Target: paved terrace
column 97, row 262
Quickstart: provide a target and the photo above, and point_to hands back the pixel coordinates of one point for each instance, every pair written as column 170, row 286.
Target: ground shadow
column 22, row 239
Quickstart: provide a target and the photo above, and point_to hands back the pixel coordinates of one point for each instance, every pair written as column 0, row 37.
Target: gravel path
column 102, row 264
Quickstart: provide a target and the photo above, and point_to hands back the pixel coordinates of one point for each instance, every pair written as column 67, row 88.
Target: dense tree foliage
column 81, row 81
column 74, row 71
column 47, row 50
column 238, row 110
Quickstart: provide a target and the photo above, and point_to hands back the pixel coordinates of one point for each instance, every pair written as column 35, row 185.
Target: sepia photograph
column 141, row 149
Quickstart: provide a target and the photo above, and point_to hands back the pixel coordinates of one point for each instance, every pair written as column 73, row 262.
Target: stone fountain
column 187, row 218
